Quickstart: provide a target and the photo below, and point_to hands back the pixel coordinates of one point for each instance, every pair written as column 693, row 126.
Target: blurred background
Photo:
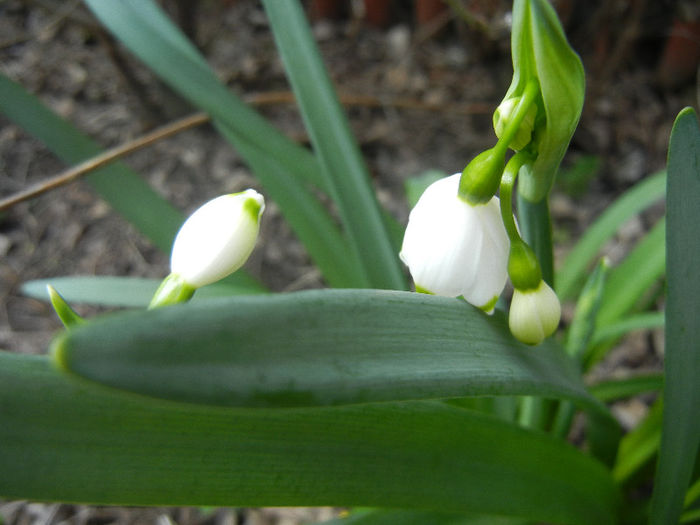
column 419, row 80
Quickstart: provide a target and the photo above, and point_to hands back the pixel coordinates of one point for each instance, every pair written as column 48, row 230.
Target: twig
column 196, row 119
column 106, row 157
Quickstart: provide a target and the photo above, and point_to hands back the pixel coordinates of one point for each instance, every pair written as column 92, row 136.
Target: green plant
column 370, row 396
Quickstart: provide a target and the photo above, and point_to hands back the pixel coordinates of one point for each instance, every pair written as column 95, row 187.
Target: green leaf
column 639, row 446
column 320, row 347
column 583, row 324
column 681, row 426
column 123, row 189
column 132, row 292
column 540, row 51
column 347, row 178
column 631, row 279
column 615, row 330
column 629, row 204
column 73, row 441
column 285, row 169
column 417, row 517
column 614, row 389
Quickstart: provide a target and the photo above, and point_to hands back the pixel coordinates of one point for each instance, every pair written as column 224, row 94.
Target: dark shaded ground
column 453, row 74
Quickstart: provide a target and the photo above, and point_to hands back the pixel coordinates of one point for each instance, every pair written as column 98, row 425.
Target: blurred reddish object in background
column 681, row 57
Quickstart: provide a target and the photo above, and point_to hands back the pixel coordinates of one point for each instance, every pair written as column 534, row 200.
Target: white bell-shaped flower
column 534, row 314
column 217, row 238
column 454, row 248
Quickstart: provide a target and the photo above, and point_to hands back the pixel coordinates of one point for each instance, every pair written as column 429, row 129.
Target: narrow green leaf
column 73, row 441
column 123, row 189
column 681, row 426
column 347, row 178
column 582, row 326
column 364, row 346
column 614, row 389
column 629, row 204
column 133, row 292
column 418, row 517
column 639, row 446
column 284, row 169
column 643, row 321
column 631, row 279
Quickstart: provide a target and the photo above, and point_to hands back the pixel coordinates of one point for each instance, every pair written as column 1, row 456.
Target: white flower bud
column 454, row 248
column 534, row 314
column 217, row 238
column 502, row 116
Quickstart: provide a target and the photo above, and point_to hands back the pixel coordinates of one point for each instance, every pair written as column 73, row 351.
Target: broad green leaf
column 681, row 424
column 284, row 169
column 629, row 204
column 347, row 178
column 73, row 441
column 320, row 347
column 123, row 189
column 133, row 292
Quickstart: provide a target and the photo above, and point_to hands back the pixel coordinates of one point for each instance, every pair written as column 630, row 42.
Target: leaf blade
column 365, row 346
column 97, row 445
column 681, row 429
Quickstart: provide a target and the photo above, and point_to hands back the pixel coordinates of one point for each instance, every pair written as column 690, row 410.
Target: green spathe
column 541, row 52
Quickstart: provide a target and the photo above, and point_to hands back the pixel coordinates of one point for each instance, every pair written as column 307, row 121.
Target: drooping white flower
column 217, row 238
column 454, row 248
column 534, row 314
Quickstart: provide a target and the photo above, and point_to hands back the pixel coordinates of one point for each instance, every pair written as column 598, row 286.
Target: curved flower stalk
column 213, row 242
column 535, row 309
column 454, row 248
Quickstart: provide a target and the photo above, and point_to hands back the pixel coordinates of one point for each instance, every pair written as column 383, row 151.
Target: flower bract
column 534, row 314
column 454, row 248
column 217, row 238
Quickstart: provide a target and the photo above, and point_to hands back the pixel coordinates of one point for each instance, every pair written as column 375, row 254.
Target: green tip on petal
column 420, row 289
column 489, row 307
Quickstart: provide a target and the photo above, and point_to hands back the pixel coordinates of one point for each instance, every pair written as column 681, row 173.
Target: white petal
column 217, row 238
column 453, row 248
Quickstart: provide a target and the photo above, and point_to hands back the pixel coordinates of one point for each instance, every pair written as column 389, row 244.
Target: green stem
column 536, row 229
column 510, row 173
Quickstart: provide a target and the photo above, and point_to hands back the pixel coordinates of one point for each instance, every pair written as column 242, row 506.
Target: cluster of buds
column 456, row 242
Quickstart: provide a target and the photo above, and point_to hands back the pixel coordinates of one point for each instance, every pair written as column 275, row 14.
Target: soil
column 452, row 74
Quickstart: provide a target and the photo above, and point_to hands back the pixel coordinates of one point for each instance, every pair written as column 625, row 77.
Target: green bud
column 523, row 266
column 482, row 176
column 541, row 52
column 502, row 116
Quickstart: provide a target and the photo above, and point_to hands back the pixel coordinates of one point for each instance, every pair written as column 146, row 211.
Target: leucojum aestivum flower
column 456, row 243
column 213, row 242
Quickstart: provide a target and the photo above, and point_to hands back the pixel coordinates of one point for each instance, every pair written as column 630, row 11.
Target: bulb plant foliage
column 371, row 396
